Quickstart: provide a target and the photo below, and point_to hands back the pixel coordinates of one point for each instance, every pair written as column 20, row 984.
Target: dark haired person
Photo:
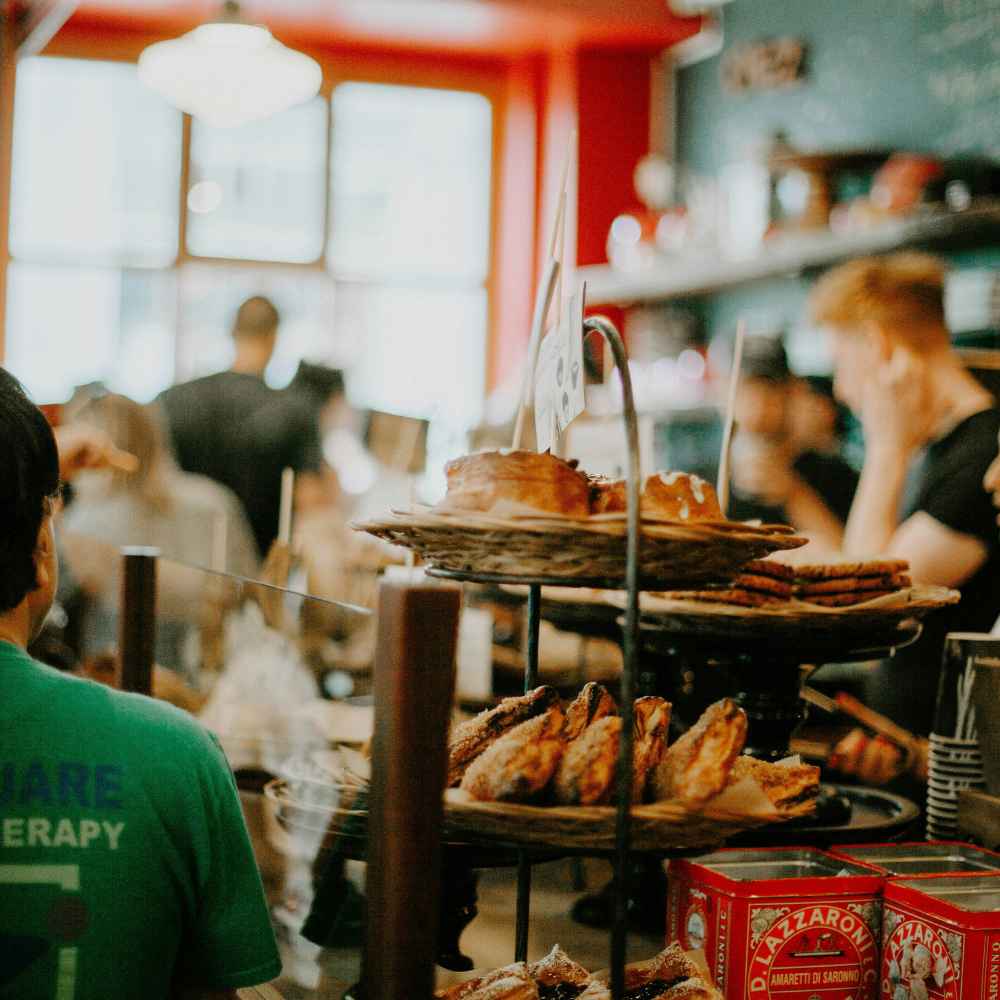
column 930, row 435
column 125, row 866
column 235, row 429
column 786, row 465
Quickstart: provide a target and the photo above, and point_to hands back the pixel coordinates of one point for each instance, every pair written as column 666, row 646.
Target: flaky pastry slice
column 696, row 767
column 519, row 765
column 790, row 787
column 592, row 703
column 469, row 739
column 558, row 969
column 512, row 982
column 670, row 975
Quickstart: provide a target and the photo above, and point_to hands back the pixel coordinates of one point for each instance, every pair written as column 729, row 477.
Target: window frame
column 484, row 76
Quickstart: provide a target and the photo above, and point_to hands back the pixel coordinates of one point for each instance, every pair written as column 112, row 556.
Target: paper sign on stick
column 545, row 383
column 571, row 398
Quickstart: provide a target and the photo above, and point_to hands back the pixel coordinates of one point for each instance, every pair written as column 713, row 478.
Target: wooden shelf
column 683, row 276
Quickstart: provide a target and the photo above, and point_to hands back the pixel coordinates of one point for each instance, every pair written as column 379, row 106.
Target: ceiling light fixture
column 228, row 72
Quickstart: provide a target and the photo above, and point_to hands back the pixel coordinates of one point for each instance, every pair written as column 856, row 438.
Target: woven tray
column 796, row 620
column 671, row 554
column 661, row 826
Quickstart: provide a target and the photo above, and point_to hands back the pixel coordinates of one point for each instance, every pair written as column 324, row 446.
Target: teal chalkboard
column 920, row 75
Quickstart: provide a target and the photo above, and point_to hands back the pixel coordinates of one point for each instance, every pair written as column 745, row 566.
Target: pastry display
column 469, row 739
column 519, row 765
column 670, row 975
column 697, row 766
column 570, row 758
column 488, row 479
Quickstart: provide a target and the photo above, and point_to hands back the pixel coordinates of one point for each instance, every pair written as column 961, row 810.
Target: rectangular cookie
column 846, row 570
column 897, row 581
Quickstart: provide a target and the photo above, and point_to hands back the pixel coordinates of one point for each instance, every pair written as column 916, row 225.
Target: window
column 409, row 245
column 258, row 192
column 365, row 217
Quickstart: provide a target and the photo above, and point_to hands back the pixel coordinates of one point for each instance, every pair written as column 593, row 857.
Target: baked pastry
column 838, row 585
column 671, row 496
column 557, row 976
column 651, row 719
column 697, row 766
column 740, row 596
column 586, row 773
column 679, row 496
column 670, row 975
column 790, row 787
column 592, row 703
column 540, row 481
column 512, row 982
column 520, row 764
column 469, row 739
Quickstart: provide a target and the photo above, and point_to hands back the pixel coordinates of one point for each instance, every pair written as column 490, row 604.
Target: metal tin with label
column 941, row 939
column 923, row 858
column 780, row 924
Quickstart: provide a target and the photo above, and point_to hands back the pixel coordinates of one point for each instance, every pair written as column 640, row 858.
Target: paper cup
column 986, row 697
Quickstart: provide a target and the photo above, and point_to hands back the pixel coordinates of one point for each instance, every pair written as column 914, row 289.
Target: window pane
column 210, row 296
column 419, row 352
column 96, row 167
column 68, row 326
column 258, row 191
column 410, row 189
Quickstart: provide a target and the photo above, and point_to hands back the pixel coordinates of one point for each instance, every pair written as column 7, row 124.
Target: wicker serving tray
column 671, row 554
column 660, row 826
column 796, row 620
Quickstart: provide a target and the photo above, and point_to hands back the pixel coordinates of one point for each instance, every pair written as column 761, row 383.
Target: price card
column 570, row 397
column 545, row 386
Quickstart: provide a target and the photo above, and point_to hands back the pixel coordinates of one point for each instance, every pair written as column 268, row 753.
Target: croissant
column 592, row 703
column 469, row 739
column 520, row 764
column 697, row 766
column 586, row 774
column 651, row 719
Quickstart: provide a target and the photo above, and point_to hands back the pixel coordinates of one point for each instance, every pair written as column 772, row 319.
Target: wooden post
column 414, row 680
column 137, row 619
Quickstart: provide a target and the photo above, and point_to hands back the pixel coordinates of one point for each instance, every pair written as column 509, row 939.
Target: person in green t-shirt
column 125, row 866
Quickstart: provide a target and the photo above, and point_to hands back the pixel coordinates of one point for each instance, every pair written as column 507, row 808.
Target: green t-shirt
column 125, row 864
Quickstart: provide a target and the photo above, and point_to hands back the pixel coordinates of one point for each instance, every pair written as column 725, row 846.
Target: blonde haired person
column 154, row 504
column 930, row 434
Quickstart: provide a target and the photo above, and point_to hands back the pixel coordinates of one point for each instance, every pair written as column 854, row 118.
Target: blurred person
column 930, row 435
column 785, row 461
column 233, row 428
column 155, row 504
column 129, row 872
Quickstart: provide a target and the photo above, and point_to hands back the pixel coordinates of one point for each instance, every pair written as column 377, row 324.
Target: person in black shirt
column 930, row 435
column 236, row 430
column 785, row 461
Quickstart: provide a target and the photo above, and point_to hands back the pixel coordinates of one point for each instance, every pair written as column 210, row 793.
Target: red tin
column 780, row 924
column 923, row 858
column 941, row 939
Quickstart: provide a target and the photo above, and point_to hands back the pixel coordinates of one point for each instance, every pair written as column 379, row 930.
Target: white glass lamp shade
column 229, row 74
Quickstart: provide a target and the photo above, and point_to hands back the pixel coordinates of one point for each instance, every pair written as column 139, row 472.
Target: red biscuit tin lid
column 962, row 899
column 768, row 871
column 923, row 858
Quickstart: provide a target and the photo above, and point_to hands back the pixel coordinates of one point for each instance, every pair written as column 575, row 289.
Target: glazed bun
column 542, row 482
column 670, row 496
column 680, row 496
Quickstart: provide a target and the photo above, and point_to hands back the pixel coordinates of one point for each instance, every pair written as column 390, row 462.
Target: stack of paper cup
column 956, row 761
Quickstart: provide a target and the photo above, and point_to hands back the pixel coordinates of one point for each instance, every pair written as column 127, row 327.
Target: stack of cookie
column 766, row 583
column 838, row 585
